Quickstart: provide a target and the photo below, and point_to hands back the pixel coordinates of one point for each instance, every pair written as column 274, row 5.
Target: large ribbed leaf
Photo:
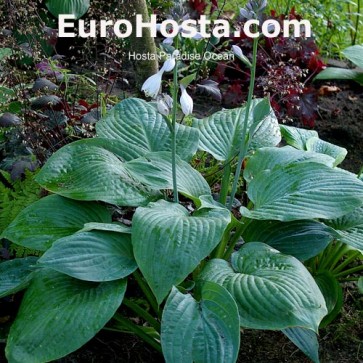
column 319, row 146
column 87, row 170
column 204, row 331
column 350, row 228
column 221, row 133
column 15, row 275
column 155, row 171
column 303, row 191
column 169, row 243
column 301, row 239
column 297, row 137
column 75, row 7
column 141, row 129
column 92, row 256
column 306, row 340
column 51, row 218
column 59, row 314
column 269, row 157
column 272, row 290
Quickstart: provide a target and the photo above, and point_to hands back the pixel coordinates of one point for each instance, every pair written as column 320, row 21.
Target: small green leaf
column 221, row 133
column 355, row 54
column 51, row 218
column 15, row 275
column 76, row 7
column 272, row 290
column 205, row 331
column 92, row 256
column 323, row 147
column 301, row 239
column 340, row 73
column 59, row 314
column 297, row 137
column 141, row 129
column 303, row 191
column 360, row 285
column 169, row 243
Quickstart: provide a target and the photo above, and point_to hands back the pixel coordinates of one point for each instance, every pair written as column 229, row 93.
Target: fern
column 14, row 197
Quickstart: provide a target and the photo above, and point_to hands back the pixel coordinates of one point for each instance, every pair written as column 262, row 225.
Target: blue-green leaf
column 51, row 218
column 15, row 275
column 272, row 290
column 303, row 191
column 169, row 243
column 59, row 314
column 141, row 129
column 205, row 331
column 92, row 256
column 301, row 239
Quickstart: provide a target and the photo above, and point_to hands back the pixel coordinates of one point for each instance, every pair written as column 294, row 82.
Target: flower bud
column 186, row 101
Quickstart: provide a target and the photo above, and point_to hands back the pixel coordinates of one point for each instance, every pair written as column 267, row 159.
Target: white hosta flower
column 186, row 101
column 152, row 85
column 239, row 54
column 164, row 104
column 169, row 64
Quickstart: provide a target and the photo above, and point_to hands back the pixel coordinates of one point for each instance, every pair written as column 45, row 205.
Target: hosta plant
column 200, row 283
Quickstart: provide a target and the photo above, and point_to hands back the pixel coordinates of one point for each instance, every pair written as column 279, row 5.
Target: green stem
column 219, row 251
column 225, row 182
column 127, row 324
column 142, row 313
column 173, row 132
column 350, row 271
column 243, row 148
column 357, row 21
column 346, row 262
column 146, row 290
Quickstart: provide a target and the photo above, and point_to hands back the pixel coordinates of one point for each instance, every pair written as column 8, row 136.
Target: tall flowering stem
column 173, row 128
column 244, row 144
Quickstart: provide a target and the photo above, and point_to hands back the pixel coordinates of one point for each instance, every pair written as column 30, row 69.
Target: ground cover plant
column 134, row 235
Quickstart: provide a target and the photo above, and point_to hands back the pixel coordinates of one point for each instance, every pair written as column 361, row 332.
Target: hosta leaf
column 303, row 191
column 297, row 137
column 269, row 157
column 15, row 275
column 323, row 147
column 355, row 54
column 142, row 129
column 88, row 170
column 92, row 256
column 341, row 73
column 272, row 290
column 51, row 218
column 76, row 7
column 221, row 133
column 59, row 314
column 155, row 171
column 205, row 331
column 169, row 243
column 109, row 227
column 333, row 295
column 301, row 239
column 306, row 340
column 350, row 228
